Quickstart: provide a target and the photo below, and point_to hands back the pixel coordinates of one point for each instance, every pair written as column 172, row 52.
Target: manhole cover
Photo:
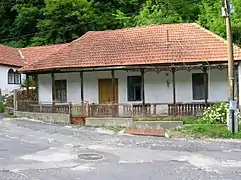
column 3, row 149
column 90, row 157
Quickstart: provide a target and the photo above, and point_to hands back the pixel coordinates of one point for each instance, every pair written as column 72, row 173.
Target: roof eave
column 124, row 67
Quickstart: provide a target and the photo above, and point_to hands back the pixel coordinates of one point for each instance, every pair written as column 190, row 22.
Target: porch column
column 205, row 86
column 82, row 86
column 36, row 86
column 27, row 85
column 113, row 86
column 174, row 89
column 143, row 87
column 53, row 88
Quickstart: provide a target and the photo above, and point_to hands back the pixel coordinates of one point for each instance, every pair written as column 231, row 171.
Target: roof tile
column 156, row 44
column 10, row 56
column 32, row 54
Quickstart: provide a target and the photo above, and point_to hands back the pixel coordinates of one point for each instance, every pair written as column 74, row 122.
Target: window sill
column 14, row 83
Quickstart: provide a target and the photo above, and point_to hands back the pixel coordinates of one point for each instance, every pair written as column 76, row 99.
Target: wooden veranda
column 130, row 110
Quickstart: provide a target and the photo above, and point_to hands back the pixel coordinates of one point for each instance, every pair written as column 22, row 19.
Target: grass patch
column 208, row 131
column 190, row 120
column 186, row 120
column 10, row 116
column 115, row 129
column 158, row 119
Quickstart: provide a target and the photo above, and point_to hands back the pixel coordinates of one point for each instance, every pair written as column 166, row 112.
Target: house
column 12, row 59
column 10, row 62
column 158, row 66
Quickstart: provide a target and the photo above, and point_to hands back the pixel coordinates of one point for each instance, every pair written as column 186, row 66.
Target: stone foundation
column 46, row 117
column 125, row 122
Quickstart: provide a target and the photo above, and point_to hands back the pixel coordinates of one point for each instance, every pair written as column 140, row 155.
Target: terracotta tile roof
column 10, row 56
column 156, row 44
column 32, row 54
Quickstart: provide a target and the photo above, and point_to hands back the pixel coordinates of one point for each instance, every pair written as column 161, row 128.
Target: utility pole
column 233, row 105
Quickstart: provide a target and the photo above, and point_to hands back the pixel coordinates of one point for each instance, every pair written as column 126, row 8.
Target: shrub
column 216, row 114
column 1, row 108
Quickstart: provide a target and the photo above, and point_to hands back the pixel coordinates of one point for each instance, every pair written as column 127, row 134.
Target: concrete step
column 146, row 132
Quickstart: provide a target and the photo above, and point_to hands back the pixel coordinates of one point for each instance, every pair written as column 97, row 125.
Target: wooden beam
column 205, row 86
column 36, row 86
column 82, row 86
column 143, row 86
column 113, row 86
column 53, row 87
column 162, row 67
column 27, row 85
column 174, row 85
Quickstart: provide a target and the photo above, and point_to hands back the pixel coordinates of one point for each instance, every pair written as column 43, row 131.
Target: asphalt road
column 33, row 150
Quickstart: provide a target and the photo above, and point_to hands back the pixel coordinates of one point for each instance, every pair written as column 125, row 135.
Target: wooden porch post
column 113, row 86
column 27, row 91
column 82, row 86
column 114, row 107
column 143, row 87
column 27, row 85
column 174, row 90
column 53, row 92
column 205, row 85
column 36, row 84
column 144, row 110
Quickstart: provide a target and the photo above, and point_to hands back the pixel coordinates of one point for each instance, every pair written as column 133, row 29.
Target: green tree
column 22, row 19
column 211, row 18
column 157, row 12
column 64, row 20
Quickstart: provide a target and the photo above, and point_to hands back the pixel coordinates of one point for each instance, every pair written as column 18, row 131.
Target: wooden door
column 105, row 91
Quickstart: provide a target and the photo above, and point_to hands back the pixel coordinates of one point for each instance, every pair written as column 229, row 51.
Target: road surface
column 34, row 150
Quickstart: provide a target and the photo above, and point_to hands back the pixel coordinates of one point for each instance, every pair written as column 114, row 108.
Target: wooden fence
column 83, row 109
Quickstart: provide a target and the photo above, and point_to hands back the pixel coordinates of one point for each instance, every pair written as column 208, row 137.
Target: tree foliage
column 211, row 18
column 39, row 22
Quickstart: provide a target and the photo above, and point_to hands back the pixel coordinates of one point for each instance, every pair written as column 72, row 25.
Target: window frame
column 197, row 95
column 62, row 87
column 14, row 77
column 131, row 86
column 18, row 79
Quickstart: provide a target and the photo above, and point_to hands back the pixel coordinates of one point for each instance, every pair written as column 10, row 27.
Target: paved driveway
column 33, row 150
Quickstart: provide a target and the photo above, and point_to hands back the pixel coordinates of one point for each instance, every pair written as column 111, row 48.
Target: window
column 17, row 78
column 134, row 88
column 198, row 86
column 14, row 77
column 61, row 90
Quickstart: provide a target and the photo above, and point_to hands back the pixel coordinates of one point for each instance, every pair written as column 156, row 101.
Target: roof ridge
column 49, row 45
column 136, row 27
column 21, row 54
column 83, row 36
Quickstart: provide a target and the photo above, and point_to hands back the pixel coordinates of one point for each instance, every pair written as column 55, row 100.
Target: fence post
column 86, row 109
column 40, row 106
column 70, row 112
column 132, row 111
column 15, row 108
column 53, row 107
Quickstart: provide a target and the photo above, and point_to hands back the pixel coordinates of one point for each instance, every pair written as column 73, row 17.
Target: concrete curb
column 26, row 119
